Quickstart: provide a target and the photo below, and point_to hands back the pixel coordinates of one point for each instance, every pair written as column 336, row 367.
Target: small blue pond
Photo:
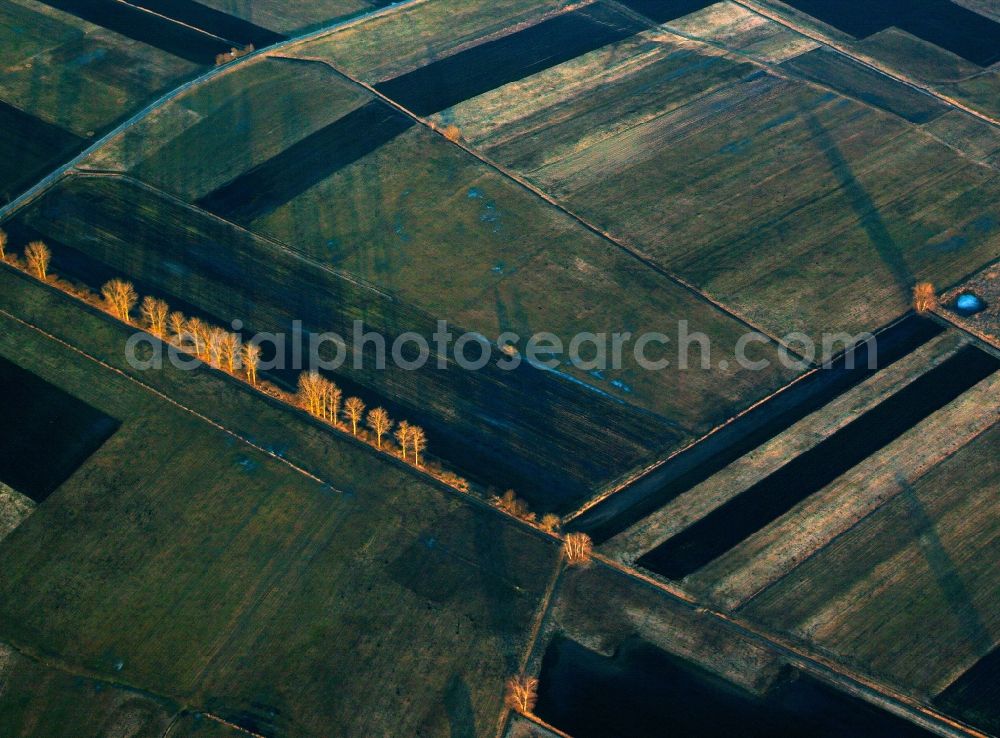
column 969, row 304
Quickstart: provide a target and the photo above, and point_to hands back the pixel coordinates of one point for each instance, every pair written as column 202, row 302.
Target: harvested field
column 46, row 435
column 772, row 497
column 273, row 183
column 909, row 593
column 218, row 575
column 30, row 149
column 645, row 497
column 848, row 77
column 517, row 428
column 641, row 690
column 157, row 31
column 227, row 27
column 848, row 206
column 492, row 64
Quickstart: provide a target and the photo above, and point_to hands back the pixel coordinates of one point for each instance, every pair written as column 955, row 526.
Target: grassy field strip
column 526, row 185
column 864, row 60
column 697, row 502
column 41, row 187
column 532, row 727
column 984, row 325
column 14, row 508
column 804, row 657
column 758, row 562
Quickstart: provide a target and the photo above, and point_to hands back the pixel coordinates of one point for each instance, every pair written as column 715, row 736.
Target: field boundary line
column 506, row 714
column 43, row 185
column 177, row 22
column 524, row 184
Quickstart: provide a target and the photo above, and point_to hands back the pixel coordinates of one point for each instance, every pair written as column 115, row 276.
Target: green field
column 188, row 147
column 41, row 701
column 219, row 577
column 48, row 59
column 794, row 206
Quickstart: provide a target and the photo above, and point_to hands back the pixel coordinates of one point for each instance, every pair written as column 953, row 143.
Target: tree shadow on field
column 500, row 600
column 949, row 580
column 864, row 207
column 458, row 705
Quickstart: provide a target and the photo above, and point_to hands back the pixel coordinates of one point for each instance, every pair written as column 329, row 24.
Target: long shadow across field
column 772, row 497
column 698, row 463
column 941, row 22
column 140, row 25
column 280, row 179
column 29, row 148
column 643, row 692
column 236, row 30
column 46, row 433
column 490, row 65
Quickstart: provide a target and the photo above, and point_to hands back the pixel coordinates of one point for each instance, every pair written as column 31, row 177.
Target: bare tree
column 521, row 694
column 578, row 547
column 354, row 408
column 217, row 346
column 331, row 402
column 380, row 422
column 310, row 392
column 178, row 325
column 230, row 352
column 452, row 133
column 510, row 503
column 154, row 312
column 197, row 331
column 3, row 245
column 120, row 298
column 418, row 442
column 251, row 362
column 550, row 522
column 38, row 256
column 404, row 433
column 924, row 297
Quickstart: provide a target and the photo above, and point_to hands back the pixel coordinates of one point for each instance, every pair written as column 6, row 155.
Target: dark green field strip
column 849, row 77
column 975, row 696
column 490, row 65
column 271, row 184
column 140, row 25
column 552, row 440
column 46, row 434
column 767, row 500
column 756, row 427
column 641, row 689
column 226, row 26
column 29, row 149
column 941, row 22
column 666, row 10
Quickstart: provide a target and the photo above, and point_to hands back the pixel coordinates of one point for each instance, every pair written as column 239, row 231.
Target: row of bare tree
column 323, row 399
